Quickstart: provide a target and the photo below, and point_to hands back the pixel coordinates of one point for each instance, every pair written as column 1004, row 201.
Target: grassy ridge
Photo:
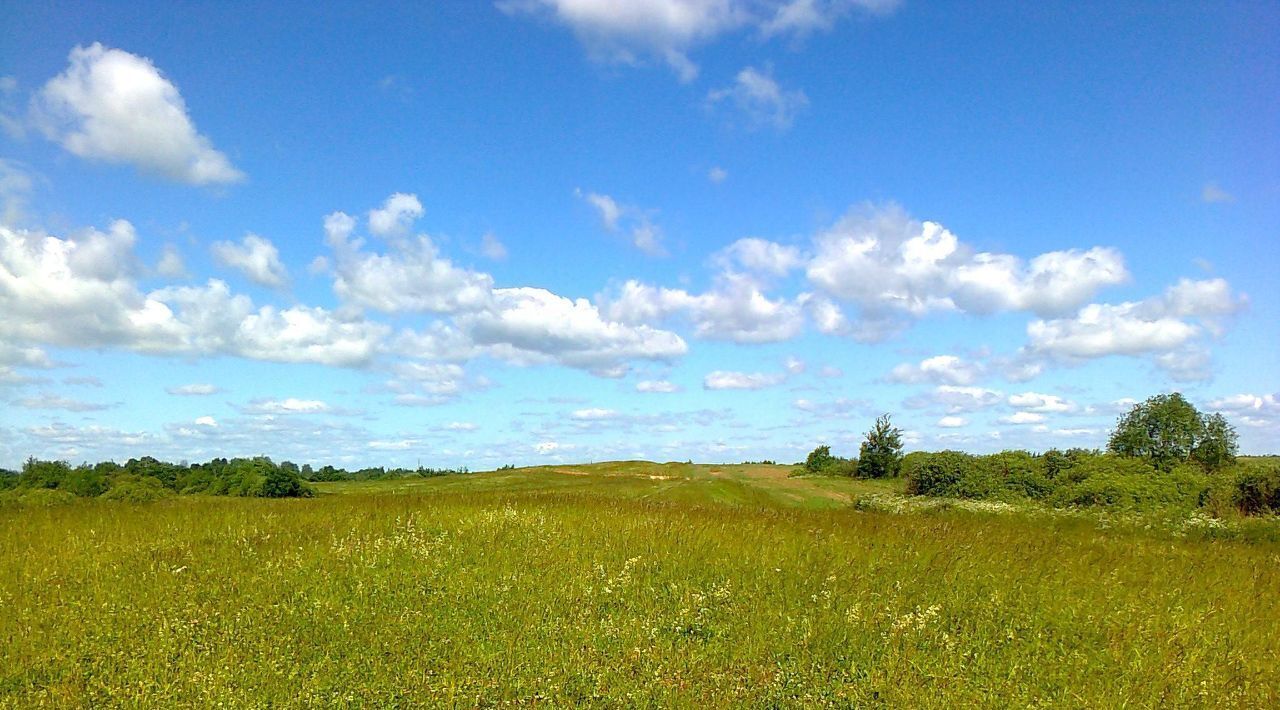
column 618, row 584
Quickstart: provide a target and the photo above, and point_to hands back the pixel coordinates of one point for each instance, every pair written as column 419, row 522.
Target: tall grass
column 467, row 593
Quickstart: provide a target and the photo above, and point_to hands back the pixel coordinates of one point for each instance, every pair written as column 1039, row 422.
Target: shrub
column 819, row 459
column 1255, row 488
column 136, row 489
column 85, row 482
column 951, row 474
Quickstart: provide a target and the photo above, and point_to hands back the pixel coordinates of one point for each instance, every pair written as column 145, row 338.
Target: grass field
column 622, row 584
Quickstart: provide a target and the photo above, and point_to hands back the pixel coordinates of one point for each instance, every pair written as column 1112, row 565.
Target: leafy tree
column 1167, row 430
column 819, row 460
column 881, row 453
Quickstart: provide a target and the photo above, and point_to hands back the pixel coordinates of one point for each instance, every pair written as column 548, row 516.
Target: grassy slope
column 621, row 583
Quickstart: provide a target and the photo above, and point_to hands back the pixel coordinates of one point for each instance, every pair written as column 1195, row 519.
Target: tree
column 1167, row 430
column 881, row 453
column 819, row 460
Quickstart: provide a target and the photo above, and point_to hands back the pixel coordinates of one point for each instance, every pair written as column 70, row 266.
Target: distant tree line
column 1163, row 452
column 147, row 478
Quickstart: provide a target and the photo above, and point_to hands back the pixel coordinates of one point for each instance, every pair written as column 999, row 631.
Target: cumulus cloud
column 396, row 215
column 893, row 267
column 736, row 309
column 411, row 276
column 1169, row 328
column 254, row 256
column 117, row 107
column 1023, row 417
column 1036, row 402
column 535, row 325
column 642, row 31
column 726, row 380
column 759, row 256
column 759, row 97
column 952, row 422
column 940, row 369
column 81, row 292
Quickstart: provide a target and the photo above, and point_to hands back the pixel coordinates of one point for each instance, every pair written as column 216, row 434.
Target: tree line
column 148, row 478
column 1163, row 452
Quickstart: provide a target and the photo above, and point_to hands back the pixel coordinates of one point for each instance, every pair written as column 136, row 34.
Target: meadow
column 627, row 584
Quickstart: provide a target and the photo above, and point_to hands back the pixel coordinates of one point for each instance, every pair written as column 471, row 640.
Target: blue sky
column 572, row 230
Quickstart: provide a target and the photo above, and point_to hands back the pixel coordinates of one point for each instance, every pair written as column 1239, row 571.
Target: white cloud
column 661, row 386
column 1265, row 403
column 81, row 292
column 206, row 421
column 895, row 268
column 639, row 31
column 952, row 422
column 830, row 371
column 193, row 390
column 761, row 99
column 117, row 107
column 534, row 325
column 717, row 174
column 1168, row 328
column 1036, row 402
column 736, row 310
column 257, row 258
column 593, row 414
column 801, row 17
column 644, row 234
column 794, row 365
column 940, row 369
column 412, row 276
column 290, row 405
column 724, row 380
column 759, row 256
column 460, row 426
column 396, row 216
column 1022, row 418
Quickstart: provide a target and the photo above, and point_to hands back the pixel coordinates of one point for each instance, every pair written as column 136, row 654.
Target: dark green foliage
column 951, row 474
column 881, row 453
column 1255, row 488
column 819, row 459
column 821, row 462
column 85, row 481
column 129, row 488
column 148, row 479
column 1167, row 430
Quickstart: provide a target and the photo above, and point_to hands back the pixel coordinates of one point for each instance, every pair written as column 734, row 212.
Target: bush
column 136, row 489
column 950, row 474
column 1255, row 488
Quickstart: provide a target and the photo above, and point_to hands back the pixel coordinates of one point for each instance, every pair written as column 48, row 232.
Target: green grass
column 622, row 584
